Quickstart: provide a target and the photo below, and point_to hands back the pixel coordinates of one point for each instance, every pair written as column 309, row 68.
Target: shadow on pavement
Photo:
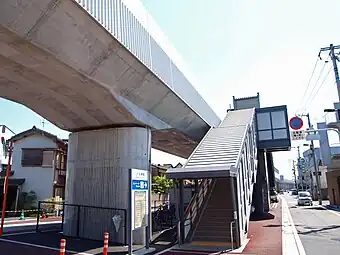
column 52, row 240
column 273, row 226
column 264, row 216
column 334, row 208
column 314, row 208
column 316, row 230
column 164, row 240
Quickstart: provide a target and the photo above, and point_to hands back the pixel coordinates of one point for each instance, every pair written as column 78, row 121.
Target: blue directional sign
column 139, row 185
column 296, row 123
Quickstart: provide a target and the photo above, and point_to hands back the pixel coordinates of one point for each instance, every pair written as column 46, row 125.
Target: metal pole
column 296, row 186
column 130, row 235
column 181, row 209
column 299, row 168
column 4, row 202
column 316, row 168
column 148, row 228
column 334, row 58
column 335, row 68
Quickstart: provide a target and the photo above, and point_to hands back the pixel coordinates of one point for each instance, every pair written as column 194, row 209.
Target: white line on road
column 41, row 246
column 291, row 243
column 30, row 224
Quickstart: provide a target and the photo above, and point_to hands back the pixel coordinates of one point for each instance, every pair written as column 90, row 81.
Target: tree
column 161, row 185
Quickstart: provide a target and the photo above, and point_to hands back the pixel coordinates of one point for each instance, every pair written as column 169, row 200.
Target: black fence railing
column 163, row 217
column 82, row 221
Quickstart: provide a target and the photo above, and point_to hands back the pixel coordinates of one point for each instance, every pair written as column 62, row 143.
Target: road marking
column 290, row 236
column 30, row 224
column 42, row 246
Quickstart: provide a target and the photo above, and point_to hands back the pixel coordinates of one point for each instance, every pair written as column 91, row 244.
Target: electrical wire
column 303, row 106
column 310, row 78
column 322, row 83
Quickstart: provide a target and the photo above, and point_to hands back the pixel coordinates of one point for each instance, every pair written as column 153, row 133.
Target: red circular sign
column 296, row 123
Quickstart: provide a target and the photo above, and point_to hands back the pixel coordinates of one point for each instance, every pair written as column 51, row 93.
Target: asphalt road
column 318, row 228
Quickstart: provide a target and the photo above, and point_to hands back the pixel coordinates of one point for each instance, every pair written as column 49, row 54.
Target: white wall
column 38, row 179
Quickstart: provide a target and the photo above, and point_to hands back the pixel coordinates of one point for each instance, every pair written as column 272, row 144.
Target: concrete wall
column 37, row 179
column 98, row 176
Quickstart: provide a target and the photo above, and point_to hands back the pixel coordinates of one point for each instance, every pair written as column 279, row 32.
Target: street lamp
column 8, row 170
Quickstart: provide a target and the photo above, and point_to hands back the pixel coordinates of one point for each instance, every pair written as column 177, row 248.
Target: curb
column 288, row 225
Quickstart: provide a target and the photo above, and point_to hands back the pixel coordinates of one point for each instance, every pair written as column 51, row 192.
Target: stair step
column 208, row 238
column 211, row 244
column 218, row 206
column 214, row 226
column 224, row 218
column 218, row 211
column 212, row 232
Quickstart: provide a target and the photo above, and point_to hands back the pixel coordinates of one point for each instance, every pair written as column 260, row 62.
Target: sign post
column 139, row 188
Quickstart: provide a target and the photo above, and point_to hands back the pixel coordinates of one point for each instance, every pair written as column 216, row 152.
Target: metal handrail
column 196, row 202
column 232, row 234
column 194, row 198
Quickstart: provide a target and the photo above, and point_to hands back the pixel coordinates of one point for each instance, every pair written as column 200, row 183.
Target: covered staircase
column 225, row 164
column 212, row 227
column 233, row 171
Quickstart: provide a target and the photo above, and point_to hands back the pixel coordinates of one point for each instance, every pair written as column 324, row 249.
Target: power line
column 322, row 83
column 303, row 105
column 310, row 78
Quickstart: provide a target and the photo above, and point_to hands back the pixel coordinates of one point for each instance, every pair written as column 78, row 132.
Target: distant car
column 273, row 196
column 294, row 192
column 304, row 198
column 282, row 192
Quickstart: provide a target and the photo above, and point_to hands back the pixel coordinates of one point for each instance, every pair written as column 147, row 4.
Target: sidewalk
column 265, row 233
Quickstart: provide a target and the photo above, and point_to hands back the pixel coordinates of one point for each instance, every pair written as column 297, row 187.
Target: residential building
column 333, row 181
column 281, row 183
column 159, row 170
column 38, row 164
column 309, row 176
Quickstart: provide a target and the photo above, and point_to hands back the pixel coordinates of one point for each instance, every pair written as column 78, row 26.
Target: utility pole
column 299, row 168
column 294, row 173
column 316, row 167
column 334, row 58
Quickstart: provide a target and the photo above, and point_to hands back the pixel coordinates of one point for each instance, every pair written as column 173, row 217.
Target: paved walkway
column 265, row 233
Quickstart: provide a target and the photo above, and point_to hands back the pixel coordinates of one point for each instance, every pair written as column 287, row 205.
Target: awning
column 12, row 181
column 201, row 172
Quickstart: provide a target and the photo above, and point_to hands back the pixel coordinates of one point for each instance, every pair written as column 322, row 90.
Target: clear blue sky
column 239, row 48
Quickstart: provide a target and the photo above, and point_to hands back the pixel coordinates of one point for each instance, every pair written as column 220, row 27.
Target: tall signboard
column 139, row 187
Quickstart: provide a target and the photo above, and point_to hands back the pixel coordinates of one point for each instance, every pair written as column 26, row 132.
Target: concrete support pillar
column 260, row 196
column 270, row 170
column 266, row 197
column 97, row 176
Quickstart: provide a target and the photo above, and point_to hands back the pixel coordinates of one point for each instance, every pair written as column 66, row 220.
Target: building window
column 47, row 158
column 36, row 158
